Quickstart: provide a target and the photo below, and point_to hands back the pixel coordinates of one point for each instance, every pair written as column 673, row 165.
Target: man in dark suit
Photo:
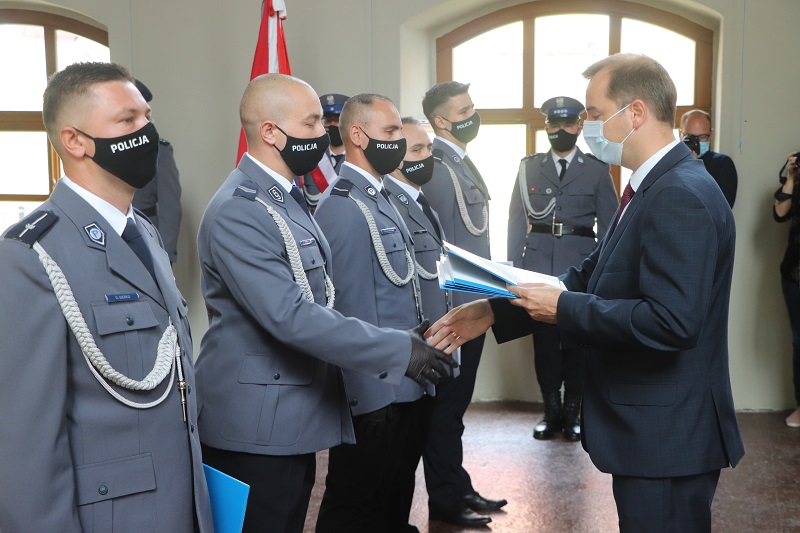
column 649, row 307
column 557, row 199
column 271, row 386
column 98, row 426
column 459, row 195
column 696, row 131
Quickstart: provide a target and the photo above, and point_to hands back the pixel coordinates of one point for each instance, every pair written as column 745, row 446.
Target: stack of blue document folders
column 463, row 271
column 228, row 500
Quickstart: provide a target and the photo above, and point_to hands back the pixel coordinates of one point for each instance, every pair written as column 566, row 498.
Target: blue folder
column 228, row 500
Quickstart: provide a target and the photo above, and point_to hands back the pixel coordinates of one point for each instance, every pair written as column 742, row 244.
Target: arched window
column 35, row 45
column 518, row 57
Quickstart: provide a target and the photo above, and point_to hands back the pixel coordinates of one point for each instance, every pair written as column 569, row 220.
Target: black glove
column 427, row 364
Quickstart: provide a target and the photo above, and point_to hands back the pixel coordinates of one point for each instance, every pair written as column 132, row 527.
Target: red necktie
column 627, row 194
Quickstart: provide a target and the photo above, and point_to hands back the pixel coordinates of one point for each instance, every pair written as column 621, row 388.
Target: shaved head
column 269, row 97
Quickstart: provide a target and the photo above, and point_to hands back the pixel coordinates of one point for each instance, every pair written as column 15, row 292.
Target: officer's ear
column 440, row 122
column 640, row 112
column 75, row 144
column 268, row 132
column 356, row 135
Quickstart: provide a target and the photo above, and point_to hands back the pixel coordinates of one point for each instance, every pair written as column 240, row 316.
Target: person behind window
column 557, row 198
column 787, row 208
column 697, row 133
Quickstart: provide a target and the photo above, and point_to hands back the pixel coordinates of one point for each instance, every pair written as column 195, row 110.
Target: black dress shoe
column 464, row 518
column 479, row 504
column 572, row 419
column 546, row 429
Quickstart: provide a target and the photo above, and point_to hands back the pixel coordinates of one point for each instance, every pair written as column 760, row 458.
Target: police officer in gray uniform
column 272, row 395
column 160, row 200
column 375, row 281
column 315, row 182
column 459, row 195
column 96, row 434
column 404, row 186
column 557, row 199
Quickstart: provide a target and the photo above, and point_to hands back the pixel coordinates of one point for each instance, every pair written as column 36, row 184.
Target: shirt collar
column 459, row 152
column 378, row 184
column 115, row 218
column 274, row 175
column 569, row 157
column 638, row 176
column 410, row 191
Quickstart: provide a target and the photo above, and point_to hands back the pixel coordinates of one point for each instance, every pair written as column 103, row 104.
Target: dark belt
column 150, row 211
column 557, row 229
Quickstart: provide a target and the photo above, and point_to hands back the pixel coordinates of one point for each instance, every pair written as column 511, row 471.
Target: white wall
column 196, row 57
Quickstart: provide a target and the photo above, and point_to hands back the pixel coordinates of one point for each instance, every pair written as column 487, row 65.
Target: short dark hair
column 355, row 109
column 638, row 76
column 410, row 120
column 75, row 82
column 440, row 94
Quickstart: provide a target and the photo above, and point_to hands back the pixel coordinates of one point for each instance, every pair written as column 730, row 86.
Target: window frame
column 616, row 10
column 31, row 121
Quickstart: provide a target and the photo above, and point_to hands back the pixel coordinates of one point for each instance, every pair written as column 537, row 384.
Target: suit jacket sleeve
column 37, row 487
column 659, row 302
column 517, row 225
column 169, row 200
column 250, row 257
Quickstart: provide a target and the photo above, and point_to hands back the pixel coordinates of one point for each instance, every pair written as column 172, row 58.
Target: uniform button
column 353, row 402
column 383, row 374
column 277, row 376
column 129, row 320
column 313, row 261
column 395, row 245
column 183, row 301
column 559, row 208
column 560, row 193
column 102, row 490
column 191, row 428
column 188, row 389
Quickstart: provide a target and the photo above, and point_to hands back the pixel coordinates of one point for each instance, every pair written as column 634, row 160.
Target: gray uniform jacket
column 266, row 364
column 442, row 197
column 427, row 249
column 586, row 194
column 73, row 458
column 362, row 289
column 160, row 199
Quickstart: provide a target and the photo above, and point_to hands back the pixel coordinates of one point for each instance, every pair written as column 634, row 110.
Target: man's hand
column 538, row 299
column 460, row 325
column 427, row 364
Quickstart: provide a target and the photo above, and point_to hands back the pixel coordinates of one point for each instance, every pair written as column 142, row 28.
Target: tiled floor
column 552, row 486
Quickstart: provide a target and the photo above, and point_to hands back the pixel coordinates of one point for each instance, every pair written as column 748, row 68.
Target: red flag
column 271, row 54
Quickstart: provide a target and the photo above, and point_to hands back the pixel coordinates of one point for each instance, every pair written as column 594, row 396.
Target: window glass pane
column 22, row 59
column 72, row 48
column 671, row 49
column 23, row 162
column 492, row 63
column 497, row 152
column 564, row 46
column 13, row 212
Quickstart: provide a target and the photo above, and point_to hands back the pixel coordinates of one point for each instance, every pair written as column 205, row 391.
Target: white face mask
column 603, row 149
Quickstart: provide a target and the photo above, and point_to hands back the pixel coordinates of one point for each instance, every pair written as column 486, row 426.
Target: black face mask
column 132, row 158
column 385, row 156
column 562, row 141
column 418, row 172
column 302, row 155
column 335, row 136
column 467, row 129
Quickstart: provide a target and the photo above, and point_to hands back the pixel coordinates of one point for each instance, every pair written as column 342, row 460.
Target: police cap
column 333, row 103
column 562, row 109
column 146, row 94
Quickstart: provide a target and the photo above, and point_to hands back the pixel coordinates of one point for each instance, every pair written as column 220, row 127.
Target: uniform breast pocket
column 123, row 317
column 311, row 257
column 395, row 248
column 424, row 242
column 580, row 197
column 473, row 196
column 540, row 200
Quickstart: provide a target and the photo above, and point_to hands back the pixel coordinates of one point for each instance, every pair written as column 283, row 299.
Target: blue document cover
column 228, row 500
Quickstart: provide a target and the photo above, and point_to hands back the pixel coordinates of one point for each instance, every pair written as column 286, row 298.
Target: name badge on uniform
column 307, row 242
column 127, row 297
column 387, row 231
